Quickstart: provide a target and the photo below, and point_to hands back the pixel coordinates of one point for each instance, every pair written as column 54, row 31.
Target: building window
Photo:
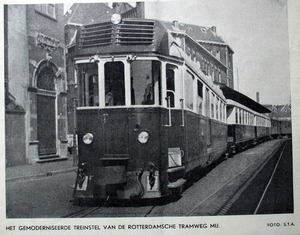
column 46, row 9
column 203, row 30
column 218, row 55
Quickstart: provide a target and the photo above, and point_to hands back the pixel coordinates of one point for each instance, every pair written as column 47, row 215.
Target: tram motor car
column 147, row 116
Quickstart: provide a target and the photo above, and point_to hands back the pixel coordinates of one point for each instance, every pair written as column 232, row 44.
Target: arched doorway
column 46, row 110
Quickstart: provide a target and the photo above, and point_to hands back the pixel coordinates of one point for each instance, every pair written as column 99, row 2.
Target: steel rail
column 270, row 180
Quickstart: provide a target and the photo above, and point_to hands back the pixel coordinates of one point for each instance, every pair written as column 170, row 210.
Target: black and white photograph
column 156, row 117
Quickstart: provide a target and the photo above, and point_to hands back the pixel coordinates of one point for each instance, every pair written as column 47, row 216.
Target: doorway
column 46, row 112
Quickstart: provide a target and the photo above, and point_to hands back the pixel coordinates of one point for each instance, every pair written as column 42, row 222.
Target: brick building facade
column 35, row 86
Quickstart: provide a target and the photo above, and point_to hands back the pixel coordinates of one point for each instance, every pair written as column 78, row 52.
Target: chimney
column 214, row 29
column 117, row 7
column 176, row 24
column 140, row 7
column 257, row 97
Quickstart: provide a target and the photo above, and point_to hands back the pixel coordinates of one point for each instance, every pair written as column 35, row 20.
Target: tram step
column 176, row 173
column 177, row 186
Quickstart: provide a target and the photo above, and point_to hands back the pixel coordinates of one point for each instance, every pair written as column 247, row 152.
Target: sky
column 256, row 30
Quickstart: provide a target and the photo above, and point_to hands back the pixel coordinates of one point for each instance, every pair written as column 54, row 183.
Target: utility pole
column 237, row 80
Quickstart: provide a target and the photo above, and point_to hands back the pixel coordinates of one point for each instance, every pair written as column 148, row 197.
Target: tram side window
column 213, row 106
column 189, row 90
column 88, row 84
column 170, row 76
column 199, row 97
column 145, row 82
column 207, row 102
column 114, row 84
column 221, row 111
column 217, row 109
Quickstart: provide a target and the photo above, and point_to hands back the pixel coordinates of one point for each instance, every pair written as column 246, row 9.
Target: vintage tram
column 147, row 116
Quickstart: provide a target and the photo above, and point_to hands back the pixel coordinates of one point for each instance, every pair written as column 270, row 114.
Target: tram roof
column 243, row 99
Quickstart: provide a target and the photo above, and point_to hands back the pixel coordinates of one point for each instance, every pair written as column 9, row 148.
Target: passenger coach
column 247, row 121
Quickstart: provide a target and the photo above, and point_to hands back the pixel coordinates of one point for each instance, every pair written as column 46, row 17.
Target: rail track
column 270, row 180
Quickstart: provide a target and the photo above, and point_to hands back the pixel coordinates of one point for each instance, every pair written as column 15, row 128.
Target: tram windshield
column 88, row 84
column 145, row 82
column 114, row 84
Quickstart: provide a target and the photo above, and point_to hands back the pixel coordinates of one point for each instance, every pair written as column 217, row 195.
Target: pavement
column 40, row 169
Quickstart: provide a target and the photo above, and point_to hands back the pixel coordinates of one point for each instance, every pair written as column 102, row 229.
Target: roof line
column 234, row 95
column 217, row 43
column 73, row 13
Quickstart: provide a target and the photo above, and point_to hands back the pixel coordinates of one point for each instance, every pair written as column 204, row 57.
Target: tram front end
column 119, row 127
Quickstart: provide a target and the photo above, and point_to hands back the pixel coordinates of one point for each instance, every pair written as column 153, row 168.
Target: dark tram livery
column 147, row 116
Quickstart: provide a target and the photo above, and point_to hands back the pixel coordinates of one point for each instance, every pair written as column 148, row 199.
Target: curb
column 46, row 174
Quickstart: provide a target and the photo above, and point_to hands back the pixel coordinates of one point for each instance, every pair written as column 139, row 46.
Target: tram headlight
column 116, row 18
column 88, row 138
column 143, row 137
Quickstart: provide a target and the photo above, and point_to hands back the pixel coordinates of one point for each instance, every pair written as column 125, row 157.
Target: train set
column 148, row 116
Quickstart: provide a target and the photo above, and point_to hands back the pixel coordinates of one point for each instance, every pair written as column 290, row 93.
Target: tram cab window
column 170, row 76
column 88, row 84
column 114, row 84
column 145, row 82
